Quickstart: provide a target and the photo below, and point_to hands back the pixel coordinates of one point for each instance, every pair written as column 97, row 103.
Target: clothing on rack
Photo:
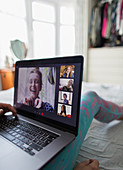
column 106, row 23
column 121, row 19
column 105, row 16
column 95, row 26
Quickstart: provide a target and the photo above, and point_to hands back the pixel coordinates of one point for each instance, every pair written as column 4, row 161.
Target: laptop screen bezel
column 55, row 60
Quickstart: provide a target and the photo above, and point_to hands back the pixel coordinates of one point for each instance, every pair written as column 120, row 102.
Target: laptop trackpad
column 5, row 148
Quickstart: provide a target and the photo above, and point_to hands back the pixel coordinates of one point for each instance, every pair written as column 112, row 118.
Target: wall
column 105, row 65
column 85, row 21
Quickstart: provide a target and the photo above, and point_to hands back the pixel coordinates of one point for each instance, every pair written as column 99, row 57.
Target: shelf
column 7, row 78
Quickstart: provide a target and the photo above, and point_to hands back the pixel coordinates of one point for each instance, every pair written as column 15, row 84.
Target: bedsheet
column 6, row 96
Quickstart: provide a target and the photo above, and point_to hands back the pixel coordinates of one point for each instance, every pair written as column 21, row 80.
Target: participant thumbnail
column 65, row 97
column 67, row 71
column 66, row 85
column 64, row 110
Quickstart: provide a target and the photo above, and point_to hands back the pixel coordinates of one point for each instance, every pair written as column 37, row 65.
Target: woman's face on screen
column 68, row 70
column 34, row 85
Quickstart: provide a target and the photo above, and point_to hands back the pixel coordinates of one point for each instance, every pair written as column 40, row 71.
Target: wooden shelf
column 7, row 78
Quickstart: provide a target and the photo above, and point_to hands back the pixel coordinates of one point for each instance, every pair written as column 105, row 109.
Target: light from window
column 67, row 40
column 44, row 39
column 11, row 28
column 67, row 30
column 43, row 12
column 67, row 16
column 15, row 7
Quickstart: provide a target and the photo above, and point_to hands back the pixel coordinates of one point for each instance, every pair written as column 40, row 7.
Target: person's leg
column 91, row 106
column 108, row 111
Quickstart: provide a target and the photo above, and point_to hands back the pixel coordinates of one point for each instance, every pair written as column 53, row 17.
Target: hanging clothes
column 121, row 19
column 118, row 15
column 106, row 23
column 104, row 27
column 99, row 39
column 95, row 26
column 108, row 29
column 92, row 28
column 113, row 27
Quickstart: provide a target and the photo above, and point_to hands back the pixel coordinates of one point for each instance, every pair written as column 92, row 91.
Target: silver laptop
column 47, row 99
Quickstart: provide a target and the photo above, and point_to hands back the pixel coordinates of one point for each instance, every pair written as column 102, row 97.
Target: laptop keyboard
column 26, row 136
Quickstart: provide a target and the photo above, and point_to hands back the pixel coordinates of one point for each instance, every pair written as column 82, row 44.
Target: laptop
column 47, row 99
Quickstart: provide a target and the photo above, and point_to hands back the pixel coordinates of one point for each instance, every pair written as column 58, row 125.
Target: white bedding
column 103, row 142
column 7, row 96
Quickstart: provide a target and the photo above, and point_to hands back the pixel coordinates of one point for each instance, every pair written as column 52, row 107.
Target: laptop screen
column 49, row 88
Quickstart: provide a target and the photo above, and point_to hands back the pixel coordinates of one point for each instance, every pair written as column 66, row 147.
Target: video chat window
column 66, row 85
column 67, row 71
column 65, row 97
column 64, row 110
column 36, row 87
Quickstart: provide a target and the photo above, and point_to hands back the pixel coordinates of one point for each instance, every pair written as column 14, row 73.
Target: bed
column 103, row 142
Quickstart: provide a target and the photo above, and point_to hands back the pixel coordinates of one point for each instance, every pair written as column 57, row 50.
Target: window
column 53, row 29
column 43, row 29
column 47, row 27
column 13, row 26
column 67, row 30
